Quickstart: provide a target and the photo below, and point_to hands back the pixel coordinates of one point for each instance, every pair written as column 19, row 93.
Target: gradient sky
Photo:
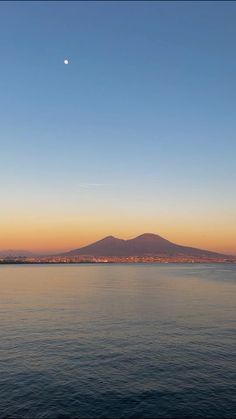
column 136, row 134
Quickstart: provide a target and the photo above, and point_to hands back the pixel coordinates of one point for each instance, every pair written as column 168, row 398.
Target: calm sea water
column 118, row 341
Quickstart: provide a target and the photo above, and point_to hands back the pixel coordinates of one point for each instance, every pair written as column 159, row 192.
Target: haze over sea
column 121, row 341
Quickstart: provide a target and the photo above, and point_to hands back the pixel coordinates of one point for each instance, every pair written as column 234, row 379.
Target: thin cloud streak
column 95, row 185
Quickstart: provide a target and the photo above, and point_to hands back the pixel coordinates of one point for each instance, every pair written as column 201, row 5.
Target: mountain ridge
column 142, row 245
column 15, row 253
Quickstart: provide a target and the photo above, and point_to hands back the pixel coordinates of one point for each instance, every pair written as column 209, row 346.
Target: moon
column 66, row 61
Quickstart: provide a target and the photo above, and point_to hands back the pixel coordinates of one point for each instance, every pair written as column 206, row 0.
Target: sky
column 136, row 134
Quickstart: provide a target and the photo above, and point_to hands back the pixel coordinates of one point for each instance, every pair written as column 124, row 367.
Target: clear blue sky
column 137, row 133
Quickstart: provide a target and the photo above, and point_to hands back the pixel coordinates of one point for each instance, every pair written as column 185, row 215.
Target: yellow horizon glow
column 58, row 234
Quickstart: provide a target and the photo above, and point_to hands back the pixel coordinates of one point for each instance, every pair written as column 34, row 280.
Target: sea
column 118, row 341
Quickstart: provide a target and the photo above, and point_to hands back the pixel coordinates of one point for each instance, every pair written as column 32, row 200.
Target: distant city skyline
column 136, row 134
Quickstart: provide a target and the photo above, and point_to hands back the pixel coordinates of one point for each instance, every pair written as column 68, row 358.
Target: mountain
column 15, row 253
column 145, row 245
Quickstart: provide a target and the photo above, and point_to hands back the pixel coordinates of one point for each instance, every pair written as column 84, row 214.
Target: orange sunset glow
column 55, row 235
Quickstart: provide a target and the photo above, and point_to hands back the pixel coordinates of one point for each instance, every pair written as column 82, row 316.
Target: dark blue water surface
column 118, row 341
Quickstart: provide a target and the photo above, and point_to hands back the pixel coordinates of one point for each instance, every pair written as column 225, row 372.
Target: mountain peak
column 145, row 244
column 109, row 238
column 148, row 236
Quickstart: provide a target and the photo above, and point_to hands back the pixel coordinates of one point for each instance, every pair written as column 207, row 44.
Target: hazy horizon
column 55, row 251
column 136, row 134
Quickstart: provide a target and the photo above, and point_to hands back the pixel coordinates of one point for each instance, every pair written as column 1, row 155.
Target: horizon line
column 58, row 251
